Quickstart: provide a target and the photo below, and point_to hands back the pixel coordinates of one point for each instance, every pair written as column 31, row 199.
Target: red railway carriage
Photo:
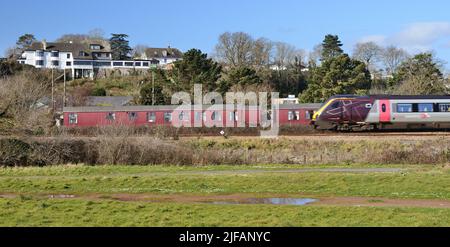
column 188, row 116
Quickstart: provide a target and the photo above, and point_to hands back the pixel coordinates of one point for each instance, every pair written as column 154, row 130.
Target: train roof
column 173, row 107
column 386, row 96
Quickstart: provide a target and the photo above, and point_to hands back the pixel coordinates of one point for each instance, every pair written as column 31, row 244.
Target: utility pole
column 153, row 86
column 53, row 92
column 64, row 98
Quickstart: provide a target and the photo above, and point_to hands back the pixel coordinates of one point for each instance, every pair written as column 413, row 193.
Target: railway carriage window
column 290, row 115
column 404, row 107
column 111, row 116
column 297, row 115
column 335, row 105
column 425, row 107
column 383, row 107
column 198, row 116
column 181, row 116
column 307, row 115
column 132, row 116
column 151, row 117
column 73, row 118
column 445, row 107
column 167, row 117
column 215, row 116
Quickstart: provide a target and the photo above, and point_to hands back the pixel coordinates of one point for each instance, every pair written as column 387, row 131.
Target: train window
column 167, row 117
column 427, row 107
column 335, row 105
column 132, row 116
column 198, row 116
column 215, row 116
column 73, row 118
column 151, row 117
column 404, row 108
column 297, row 115
column 445, row 107
column 383, row 107
column 181, row 116
column 308, row 114
column 111, row 116
column 233, row 116
column 290, row 115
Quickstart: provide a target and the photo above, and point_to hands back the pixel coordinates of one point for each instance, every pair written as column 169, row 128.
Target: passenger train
column 350, row 112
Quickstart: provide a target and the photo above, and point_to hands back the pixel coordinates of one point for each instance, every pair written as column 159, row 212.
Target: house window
column 167, row 117
column 68, row 55
column 40, row 62
column 117, row 63
column 69, row 64
column 55, row 63
column 111, row 116
column 151, row 117
column 444, row 107
column 132, row 116
column 73, row 118
column 82, row 62
column 425, row 107
column 404, row 107
column 55, row 54
column 82, row 54
column 130, row 64
column 145, row 64
column 39, row 53
column 137, row 64
column 95, row 47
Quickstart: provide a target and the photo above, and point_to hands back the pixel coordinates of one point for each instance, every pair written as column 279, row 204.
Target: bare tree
column 392, row 57
column 262, row 52
column 367, row 52
column 139, row 51
column 284, row 54
column 315, row 55
column 96, row 33
column 235, row 49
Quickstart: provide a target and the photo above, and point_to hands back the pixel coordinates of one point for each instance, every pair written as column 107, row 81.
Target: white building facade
column 87, row 60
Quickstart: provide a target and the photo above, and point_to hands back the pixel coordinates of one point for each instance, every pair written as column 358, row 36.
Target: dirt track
column 242, row 198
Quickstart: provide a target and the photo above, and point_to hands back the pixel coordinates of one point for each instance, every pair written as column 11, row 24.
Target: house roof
column 74, row 48
column 163, row 53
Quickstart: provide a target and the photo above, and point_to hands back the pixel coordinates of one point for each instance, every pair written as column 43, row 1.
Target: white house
column 87, row 60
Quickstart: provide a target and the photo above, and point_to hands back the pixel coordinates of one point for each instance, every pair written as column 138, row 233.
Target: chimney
column 70, row 42
column 44, row 44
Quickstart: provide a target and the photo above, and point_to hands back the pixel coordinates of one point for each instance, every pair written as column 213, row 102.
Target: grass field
column 180, row 196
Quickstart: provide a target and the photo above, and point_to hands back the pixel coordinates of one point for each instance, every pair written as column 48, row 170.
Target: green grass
column 26, row 212
column 30, row 210
column 415, row 183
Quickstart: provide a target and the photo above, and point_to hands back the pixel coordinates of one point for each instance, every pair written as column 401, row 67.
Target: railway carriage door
column 385, row 111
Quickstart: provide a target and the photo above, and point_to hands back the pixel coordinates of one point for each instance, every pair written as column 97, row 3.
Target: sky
column 414, row 25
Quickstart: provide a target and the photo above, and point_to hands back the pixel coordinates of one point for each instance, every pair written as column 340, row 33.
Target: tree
column 139, row 50
column 120, row 47
column 420, row 75
column 195, row 67
column 96, row 33
column 367, row 52
column 392, row 57
column 25, row 41
column 315, row 56
column 284, row 54
column 338, row 75
column 261, row 52
column 243, row 76
column 331, row 47
column 160, row 88
column 235, row 49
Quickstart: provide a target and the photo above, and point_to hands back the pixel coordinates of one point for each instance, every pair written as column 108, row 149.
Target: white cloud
column 416, row 37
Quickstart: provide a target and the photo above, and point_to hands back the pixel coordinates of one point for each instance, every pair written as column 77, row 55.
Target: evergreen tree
column 25, row 41
column 338, row 75
column 331, row 47
column 120, row 47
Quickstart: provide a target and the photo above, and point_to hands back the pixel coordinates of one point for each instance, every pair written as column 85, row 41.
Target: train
column 191, row 116
column 380, row 112
column 338, row 113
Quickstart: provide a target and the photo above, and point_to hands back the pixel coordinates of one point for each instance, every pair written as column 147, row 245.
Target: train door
column 385, row 111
